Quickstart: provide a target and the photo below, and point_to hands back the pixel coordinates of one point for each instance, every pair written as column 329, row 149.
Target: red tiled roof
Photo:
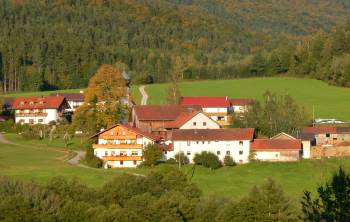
column 320, row 130
column 71, row 96
column 162, row 112
column 49, row 102
column 241, row 102
column 181, row 119
column 213, row 134
column 275, row 144
column 205, row 101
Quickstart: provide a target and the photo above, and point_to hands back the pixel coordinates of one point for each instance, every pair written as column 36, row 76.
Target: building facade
column 39, row 110
column 75, row 100
column 221, row 142
column 121, row 146
column 215, row 107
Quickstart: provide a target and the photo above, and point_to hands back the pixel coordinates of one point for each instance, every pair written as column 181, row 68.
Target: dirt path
column 144, row 95
column 5, row 141
column 76, row 159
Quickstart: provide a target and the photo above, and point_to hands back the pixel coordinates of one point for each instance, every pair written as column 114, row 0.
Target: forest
column 60, row 44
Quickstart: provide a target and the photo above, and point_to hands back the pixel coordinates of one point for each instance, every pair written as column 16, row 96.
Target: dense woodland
column 60, row 44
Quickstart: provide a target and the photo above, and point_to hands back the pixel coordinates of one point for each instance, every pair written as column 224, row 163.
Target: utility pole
column 180, row 156
column 313, row 115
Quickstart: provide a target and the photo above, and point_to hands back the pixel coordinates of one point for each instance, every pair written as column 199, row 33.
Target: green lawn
column 134, row 92
column 32, row 160
column 329, row 101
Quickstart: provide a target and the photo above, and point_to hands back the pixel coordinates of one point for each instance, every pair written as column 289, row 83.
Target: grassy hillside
column 134, row 91
column 39, row 162
column 329, row 101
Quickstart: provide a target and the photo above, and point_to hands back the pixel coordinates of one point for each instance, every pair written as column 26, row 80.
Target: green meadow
column 328, row 101
column 40, row 161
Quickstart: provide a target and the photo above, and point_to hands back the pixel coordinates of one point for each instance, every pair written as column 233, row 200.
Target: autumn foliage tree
column 102, row 106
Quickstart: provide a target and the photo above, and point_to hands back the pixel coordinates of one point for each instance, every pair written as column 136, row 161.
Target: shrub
column 90, row 158
column 207, row 159
column 228, row 161
column 171, row 161
column 152, row 154
column 183, row 158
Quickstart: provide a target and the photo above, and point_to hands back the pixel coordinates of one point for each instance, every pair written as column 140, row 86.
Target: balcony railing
column 30, row 114
column 122, row 158
column 117, row 146
column 120, row 137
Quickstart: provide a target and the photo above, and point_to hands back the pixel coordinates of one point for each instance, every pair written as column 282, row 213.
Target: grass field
column 329, row 101
column 134, row 92
column 33, row 160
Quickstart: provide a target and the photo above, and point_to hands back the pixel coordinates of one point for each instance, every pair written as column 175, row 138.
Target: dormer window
column 31, row 103
column 21, row 103
column 41, row 102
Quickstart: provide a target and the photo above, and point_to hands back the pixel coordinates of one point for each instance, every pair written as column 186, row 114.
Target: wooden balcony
column 117, row 146
column 30, row 114
column 216, row 114
column 119, row 137
column 130, row 158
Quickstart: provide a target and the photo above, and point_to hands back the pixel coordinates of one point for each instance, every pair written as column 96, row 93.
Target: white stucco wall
column 52, row 115
column 101, row 152
column 199, row 121
column 193, row 147
column 306, row 149
column 215, row 109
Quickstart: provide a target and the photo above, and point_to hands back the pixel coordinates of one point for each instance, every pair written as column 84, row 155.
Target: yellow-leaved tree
column 102, row 106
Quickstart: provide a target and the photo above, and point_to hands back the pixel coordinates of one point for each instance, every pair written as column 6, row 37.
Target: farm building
column 75, row 100
column 39, row 110
column 222, row 142
column 328, row 135
column 121, row 146
column 240, row 105
column 281, row 147
column 215, row 107
column 158, row 119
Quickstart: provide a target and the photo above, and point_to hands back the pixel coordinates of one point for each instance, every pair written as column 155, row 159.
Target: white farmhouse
column 39, row 110
column 239, row 106
column 75, row 100
column 121, row 146
column 222, row 142
column 215, row 107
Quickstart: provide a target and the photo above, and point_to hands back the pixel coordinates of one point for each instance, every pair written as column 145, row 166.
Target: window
column 106, row 153
column 122, row 153
column 165, row 152
column 227, row 152
column 203, row 142
column 135, row 162
column 188, row 153
column 328, row 135
column 276, row 155
column 197, row 142
column 40, row 120
column 204, row 123
column 241, row 152
column 195, row 123
column 240, row 161
column 121, row 162
column 241, row 143
column 31, row 121
column 220, row 118
column 112, row 153
column 134, row 153
column 188, row 143
column 218, row 152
